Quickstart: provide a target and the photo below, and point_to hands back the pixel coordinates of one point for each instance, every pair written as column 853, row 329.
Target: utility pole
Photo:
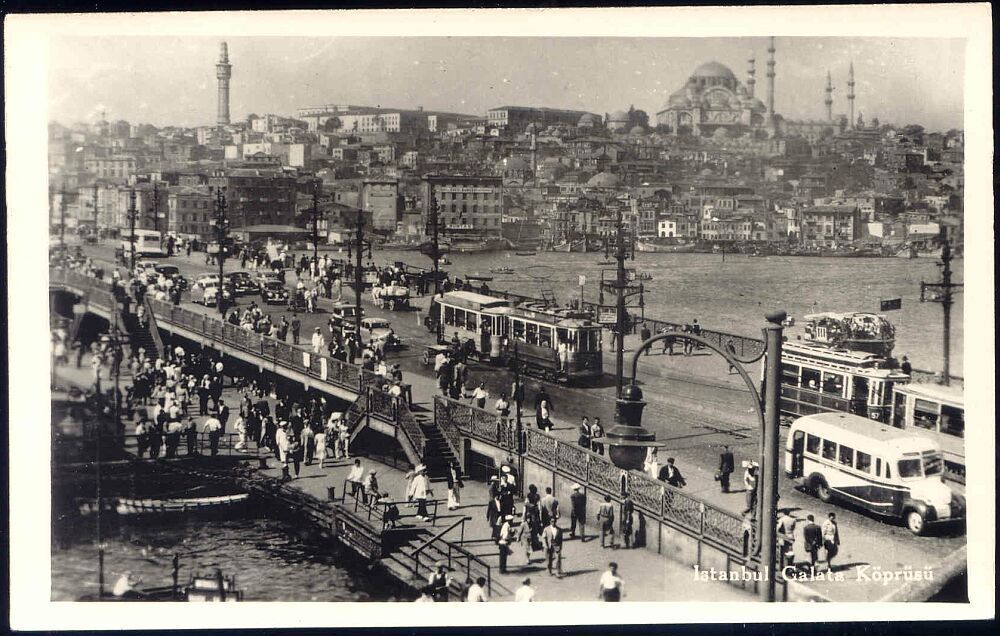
column 156, row 207
column 62, row 217
column 435, row 253
column 944, row 294
column 315, row 232
column 221, row 231
column 132, row 214
column 359, row 251
column 624, row 248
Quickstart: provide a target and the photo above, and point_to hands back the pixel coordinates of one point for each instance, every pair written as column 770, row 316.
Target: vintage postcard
column 608, row 305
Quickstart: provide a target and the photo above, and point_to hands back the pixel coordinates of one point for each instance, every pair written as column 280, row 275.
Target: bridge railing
column 670, row 505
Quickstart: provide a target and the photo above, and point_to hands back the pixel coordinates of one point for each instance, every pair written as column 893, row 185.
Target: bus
column 818, row 379
column 839, row 456
column 147, row 243
column 936, row 412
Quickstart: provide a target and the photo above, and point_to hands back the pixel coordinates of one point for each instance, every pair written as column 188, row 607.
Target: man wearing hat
column 578, row 512
column 438, row 582
column 506, row 533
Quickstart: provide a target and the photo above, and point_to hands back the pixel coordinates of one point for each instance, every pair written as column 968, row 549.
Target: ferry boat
column 854, row 331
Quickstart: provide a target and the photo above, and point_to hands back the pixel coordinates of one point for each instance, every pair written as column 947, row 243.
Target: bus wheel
column 915, row 522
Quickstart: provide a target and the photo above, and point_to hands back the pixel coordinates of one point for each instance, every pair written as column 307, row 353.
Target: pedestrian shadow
column 572, row 573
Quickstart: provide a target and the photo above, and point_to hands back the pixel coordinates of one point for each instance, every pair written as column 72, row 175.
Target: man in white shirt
column 355, row 476
column 477, row 593
column 439, row 361
column 318, row 341
column 214, row 429
column 525, row 593
column 480, row 395
column 612, row 586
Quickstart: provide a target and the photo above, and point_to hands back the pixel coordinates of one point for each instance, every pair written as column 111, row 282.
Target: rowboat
column 502, row 270
column 524, row 253
column 129, row 506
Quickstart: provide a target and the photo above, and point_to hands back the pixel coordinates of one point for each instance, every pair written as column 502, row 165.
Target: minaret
column 770, row 81
column 223, row 71
column 534, row 153
column 751, row 71
column 850, row 97
column 829, row 97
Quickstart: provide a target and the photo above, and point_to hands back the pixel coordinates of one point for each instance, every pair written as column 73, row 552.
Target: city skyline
column 901, row 81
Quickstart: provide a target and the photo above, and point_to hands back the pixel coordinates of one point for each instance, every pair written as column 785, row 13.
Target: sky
column 171, row 80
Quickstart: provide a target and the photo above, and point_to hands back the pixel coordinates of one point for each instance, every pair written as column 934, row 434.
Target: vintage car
column 208, row 293
column 343, row 316
column 273, row 293
column 242, row 282
column 379, row 330
column 263, row 278
column 172, row 272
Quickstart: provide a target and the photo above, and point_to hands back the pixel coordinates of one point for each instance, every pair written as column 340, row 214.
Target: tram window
column 859, row 388
column 790, row 374
column 952, row 420
column 810, row 379
column 925, row 414
column 899, row 410
column 864, row 462
column 846, row 456
column 833, row 383
column 459, row 318
column 471, row 321
column 812, row 444
column 531, row 333
column 829, row 450
column 517, row 328
column 595, row 339
column 449, row 315
column 545, row 337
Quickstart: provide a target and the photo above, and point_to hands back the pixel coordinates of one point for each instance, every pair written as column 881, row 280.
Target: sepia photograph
column 376, row 311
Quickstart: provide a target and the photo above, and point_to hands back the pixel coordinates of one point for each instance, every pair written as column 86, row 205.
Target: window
column 449, row 315
column 517, row 328
column 790, row 374
column 909, row 468
column 460, row 318
column 595, row 339
column 952, row 420
column 545, row 337
column 531, row 333
column 878, row 467
column 833, row 383
column 812, row 444
column 925, row 414
column 846, row 456
column 899, row 410
column 829, row 450
column 471, row 321
column 810, row 379
column 864, row 462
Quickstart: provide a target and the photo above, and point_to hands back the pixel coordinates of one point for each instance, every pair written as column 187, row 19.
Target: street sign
column 891, row 304
column 583, row 280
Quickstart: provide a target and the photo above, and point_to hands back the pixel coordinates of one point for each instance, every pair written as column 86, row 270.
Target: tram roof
column 936, row 392
column 472, row 300
column 856, row 431
column 841, row 356
column 550, row 318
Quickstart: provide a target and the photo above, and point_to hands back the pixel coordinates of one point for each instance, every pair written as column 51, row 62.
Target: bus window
column 517, row 330
column 952, row 420
column 449, row 315
column 531, row 333
column 545, row 337
column 888, row 471
column 925, row 414
column 833, row 383
column 878, row 467
column 846, row 456
column 471, row 321
column 829, row 450
column 790, row 374
column 812, row 445
column 810, row 379
column 933, row 464
column 864, row 462
column 909, row 468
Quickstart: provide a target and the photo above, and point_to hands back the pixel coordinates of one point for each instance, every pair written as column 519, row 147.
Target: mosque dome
column 713, row 70
column 588, row 121
column 604, row 180
column 618, row 116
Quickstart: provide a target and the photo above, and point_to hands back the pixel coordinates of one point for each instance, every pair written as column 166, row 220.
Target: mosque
column 715, row 103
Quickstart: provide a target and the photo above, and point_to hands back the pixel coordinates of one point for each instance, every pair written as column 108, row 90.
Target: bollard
column 262, row 462
column 331, row 493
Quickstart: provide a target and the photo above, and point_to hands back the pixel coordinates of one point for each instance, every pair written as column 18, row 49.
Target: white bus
column 877, row 468
column 937, row 412
column 147, row 243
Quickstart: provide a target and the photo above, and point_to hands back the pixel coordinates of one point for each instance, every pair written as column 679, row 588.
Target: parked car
column 264, row 278
column 242, row 282
column 376, row 330
column 273, row 293
column 171, row 271
column 344, row 315
column 208, row 294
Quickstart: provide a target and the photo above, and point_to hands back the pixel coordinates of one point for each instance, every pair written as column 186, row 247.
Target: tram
column 937, row 412
column 818, row 379
column 555, row 345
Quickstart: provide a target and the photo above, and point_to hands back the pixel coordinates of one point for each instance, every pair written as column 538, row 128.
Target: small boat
column 605, row 262
column 501, row 270
column 200, row 589
column 643, row 276
column 524, row 253
column 477, row 277
column 128, row 506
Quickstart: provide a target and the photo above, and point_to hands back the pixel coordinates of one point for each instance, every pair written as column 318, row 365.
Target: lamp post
column 315, row 226
column 945, row 291
column 360, row 245
column 624, row 248
column 132, row 214
column 221, row 232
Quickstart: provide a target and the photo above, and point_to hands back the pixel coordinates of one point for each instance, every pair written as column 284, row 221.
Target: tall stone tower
column 751, row 71
column 829, row 97
column 770, row 82
column 850, row 97
column 223, row 71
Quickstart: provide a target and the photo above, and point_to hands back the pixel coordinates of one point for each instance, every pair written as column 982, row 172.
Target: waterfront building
column 257, row 196
column 381, row 198
column 830, row 225
column 467, row 205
